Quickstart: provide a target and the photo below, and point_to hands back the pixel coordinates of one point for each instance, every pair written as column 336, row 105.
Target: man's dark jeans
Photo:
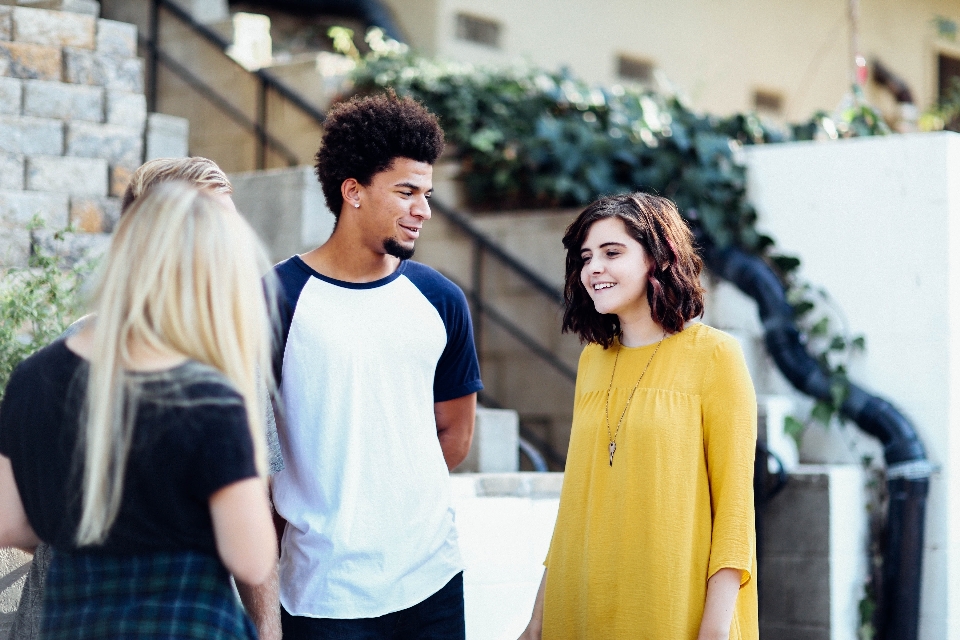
column 439, row 617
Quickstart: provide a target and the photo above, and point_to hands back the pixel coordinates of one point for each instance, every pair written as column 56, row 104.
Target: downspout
column 908, row 470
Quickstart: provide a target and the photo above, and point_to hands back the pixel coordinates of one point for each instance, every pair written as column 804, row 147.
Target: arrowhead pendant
column 613, row 450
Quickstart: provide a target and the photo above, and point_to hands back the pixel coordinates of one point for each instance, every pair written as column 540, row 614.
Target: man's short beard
column 394, row 248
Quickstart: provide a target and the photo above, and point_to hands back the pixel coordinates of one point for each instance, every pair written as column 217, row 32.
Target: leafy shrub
column 36, row 304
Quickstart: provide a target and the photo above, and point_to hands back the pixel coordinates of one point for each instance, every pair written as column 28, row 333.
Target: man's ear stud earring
column 356, row 205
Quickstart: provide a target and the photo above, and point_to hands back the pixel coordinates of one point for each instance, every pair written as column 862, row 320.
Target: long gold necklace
column 613, row 436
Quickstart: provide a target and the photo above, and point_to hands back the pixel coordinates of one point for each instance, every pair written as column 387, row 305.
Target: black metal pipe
column 899, row 607
column 908, row 470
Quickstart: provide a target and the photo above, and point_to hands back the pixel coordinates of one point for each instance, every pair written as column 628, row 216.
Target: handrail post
column 476, row 290
column 152, row 46
column 261, row 148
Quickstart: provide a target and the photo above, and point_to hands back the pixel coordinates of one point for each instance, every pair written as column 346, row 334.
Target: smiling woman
column 640, row 244
column 654, row 537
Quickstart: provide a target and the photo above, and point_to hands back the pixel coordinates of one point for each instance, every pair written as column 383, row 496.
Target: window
column 768, row 101
column 635, row 69
column 478, row 30
column 948, row 72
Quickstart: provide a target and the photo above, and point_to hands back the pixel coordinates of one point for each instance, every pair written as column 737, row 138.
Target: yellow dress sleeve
column 730, row 435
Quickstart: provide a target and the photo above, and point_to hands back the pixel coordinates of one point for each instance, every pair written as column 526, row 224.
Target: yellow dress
column 635, row 543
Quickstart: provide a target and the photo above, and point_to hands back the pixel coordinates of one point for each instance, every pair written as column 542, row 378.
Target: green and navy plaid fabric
column 175, row 596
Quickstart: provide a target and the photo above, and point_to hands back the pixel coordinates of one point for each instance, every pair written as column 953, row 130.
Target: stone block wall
column 72, row 119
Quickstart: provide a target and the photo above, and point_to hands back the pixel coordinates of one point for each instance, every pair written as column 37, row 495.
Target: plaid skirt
column 173, row 595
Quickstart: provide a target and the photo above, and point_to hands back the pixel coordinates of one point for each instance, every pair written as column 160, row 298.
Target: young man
column 204, row 174
column 379, row 379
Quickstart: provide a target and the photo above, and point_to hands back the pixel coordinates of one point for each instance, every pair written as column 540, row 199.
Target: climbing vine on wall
column 526, row 137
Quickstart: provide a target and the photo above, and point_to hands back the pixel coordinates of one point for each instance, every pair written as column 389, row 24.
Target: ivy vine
column 528, row 138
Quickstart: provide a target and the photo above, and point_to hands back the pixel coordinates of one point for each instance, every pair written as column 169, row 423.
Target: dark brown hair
column 673, row 284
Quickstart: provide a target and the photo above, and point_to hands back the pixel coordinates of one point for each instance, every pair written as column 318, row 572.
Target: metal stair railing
column 258, row 126
column 483, row 309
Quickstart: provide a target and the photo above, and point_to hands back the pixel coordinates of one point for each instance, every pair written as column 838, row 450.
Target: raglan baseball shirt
column 365, row 489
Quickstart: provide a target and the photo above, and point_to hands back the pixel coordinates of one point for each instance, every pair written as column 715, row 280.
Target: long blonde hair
column 183, row 273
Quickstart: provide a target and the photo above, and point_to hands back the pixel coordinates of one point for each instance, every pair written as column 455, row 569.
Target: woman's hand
column 15, row 529
column 535, row 626
column 722, row 590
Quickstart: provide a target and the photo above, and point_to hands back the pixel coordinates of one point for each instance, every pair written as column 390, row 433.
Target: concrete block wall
column 875, row 221
column 285, row 207
column 496, row 443
column 72, row 117
column 813, row 562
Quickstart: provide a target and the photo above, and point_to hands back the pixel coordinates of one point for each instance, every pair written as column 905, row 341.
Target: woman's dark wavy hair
column 673, row 283
column 363, row 136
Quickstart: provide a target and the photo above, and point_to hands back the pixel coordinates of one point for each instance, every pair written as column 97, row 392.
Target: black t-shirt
column 190, row 439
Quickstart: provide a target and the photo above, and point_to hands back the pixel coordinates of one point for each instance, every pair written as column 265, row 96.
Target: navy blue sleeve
column 458, row 370
column 291, row 276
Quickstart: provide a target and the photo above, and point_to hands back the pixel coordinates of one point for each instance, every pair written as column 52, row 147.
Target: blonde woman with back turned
column 136, row 448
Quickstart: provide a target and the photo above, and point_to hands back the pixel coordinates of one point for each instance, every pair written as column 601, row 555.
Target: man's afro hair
column 362, row 137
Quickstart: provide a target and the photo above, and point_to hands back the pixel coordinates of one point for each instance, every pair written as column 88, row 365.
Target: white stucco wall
column 877, row 223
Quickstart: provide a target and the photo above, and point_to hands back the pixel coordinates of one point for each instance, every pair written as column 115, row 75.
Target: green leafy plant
column 877, row 504
column 36, row 304
column 945, row 114
column 526, row 137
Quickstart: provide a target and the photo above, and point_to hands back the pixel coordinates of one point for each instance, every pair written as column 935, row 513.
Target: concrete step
column 496, row 443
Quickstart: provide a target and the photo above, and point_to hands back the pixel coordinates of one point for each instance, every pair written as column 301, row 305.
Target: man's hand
column 455, row 420
column 262, row 603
